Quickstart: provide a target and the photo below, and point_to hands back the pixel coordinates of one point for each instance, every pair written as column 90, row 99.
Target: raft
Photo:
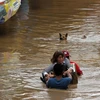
column 8, row 8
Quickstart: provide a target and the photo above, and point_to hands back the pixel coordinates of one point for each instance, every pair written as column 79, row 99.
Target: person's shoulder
column 67, row 78
column 51, row 79
column 66, row 59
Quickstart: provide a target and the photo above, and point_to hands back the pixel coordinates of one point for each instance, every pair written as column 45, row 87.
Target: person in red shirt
column 78, row 70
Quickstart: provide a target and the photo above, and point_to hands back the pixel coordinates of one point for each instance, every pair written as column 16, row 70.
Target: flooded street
column 29, row 39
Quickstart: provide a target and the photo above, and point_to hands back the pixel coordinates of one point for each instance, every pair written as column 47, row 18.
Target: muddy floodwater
column 29, row 39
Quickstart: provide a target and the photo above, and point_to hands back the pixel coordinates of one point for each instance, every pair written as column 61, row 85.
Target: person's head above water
column 58, row 57
column 66, row 54
column 58, row 69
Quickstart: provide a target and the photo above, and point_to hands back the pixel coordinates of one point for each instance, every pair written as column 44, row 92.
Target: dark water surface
column 28, row 40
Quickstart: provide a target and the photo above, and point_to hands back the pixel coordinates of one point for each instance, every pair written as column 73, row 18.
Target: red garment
column 78, row 70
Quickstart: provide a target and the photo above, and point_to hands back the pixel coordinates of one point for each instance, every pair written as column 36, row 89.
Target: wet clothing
column 58, row 84
column 66, row 63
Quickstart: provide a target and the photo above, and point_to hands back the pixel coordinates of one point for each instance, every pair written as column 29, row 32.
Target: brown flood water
column 28, row 40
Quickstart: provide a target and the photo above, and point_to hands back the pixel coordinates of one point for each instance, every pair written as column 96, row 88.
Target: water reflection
column 22, row 14
column 28, row 40
column 39, row 5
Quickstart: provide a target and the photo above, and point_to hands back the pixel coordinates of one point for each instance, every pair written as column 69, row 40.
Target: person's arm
column 67, row 62
column 68, row 73
column 68, row 65
column 47, row 70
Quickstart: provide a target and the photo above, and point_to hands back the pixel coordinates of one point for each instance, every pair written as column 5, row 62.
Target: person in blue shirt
column 58, row 82
column 58, row 57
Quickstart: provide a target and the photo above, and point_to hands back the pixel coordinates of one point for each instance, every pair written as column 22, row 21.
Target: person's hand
column 47, row 77
column 70, row 70
column 51, row 74
column 65, row 73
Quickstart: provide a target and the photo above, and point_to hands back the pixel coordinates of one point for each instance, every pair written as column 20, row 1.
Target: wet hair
column 56, row 55
column 58, row 69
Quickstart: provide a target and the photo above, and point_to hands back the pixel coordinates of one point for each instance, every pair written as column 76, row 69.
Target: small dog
column 63, row 36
